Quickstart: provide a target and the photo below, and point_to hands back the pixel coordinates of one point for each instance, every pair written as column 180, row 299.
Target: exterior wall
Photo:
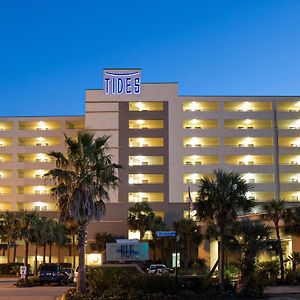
column 233, row 133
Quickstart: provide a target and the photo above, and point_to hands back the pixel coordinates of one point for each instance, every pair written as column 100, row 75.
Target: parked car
column 52, row 273
column 70, row 272
column 76, row 275
column 156, row 269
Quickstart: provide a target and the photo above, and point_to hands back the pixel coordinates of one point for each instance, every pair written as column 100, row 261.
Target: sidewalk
column 283, row 292
column 8, row 279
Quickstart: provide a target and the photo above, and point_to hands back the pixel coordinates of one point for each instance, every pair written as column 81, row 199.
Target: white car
column 156, row 269
column 75, row 275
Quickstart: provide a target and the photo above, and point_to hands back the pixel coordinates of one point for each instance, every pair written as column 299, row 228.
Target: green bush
column 29, row 282
column 254, row 289
column 268, row 271
column 126, row 283
column 10, row 269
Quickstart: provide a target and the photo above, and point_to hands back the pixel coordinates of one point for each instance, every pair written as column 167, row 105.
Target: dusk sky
column 51, row 51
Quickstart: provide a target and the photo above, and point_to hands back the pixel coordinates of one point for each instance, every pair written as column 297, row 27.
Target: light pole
column 177, row 237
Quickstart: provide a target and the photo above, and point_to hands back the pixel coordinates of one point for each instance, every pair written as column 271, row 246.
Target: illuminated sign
column 122, row 82
column 127, row 251
column 165, row 233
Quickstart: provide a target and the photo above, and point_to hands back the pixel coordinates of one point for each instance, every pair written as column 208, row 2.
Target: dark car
column 52, row 273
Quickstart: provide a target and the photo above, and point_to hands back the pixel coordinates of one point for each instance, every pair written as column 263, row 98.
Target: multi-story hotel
column 165, row 142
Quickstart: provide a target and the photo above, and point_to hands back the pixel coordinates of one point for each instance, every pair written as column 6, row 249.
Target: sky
column 51, row 51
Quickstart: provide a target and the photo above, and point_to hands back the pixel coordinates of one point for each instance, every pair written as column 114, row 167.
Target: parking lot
column 47, row 292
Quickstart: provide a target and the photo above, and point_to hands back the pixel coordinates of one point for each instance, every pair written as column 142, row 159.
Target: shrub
column 268, row 271
column 29, row 282
column 10, row 269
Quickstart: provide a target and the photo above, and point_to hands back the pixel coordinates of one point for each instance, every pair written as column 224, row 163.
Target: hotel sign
column 127, row 251
column 122, row 82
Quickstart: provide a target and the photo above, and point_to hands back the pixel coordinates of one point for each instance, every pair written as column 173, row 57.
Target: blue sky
column 52, row 50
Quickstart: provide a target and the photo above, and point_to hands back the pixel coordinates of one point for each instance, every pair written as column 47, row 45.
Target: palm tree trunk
column 188, row 250
column 50, row 253
column 8, row 252
column 81, row 284
column 15, row 252
column 58, row 254
column 280, row 251
column 154, row 252
column 26, row 258
column 74, row 251
column 35, row 257
column 221, row 261
column 44, row 253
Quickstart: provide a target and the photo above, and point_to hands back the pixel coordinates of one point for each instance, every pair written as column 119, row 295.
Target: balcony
column 146, row 106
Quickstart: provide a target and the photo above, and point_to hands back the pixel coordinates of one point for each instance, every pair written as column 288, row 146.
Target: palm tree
column 81, row 183
column 294, row 257
column 72, row 231
column 140, row 217
column 252, row 238
column 275, row 212
column 189, row 233
column 52, row 226
column 43, row 234
column 61, row 238
column 10, row 230
column 219, row 201
column 292, row 221
column 101, row 239
column 27, row 223
column 156, row 224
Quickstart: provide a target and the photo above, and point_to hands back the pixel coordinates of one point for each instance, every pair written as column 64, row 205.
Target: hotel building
column 165, row 142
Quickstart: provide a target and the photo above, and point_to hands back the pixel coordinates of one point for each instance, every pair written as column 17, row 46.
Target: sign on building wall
column 127, row 251
column 122, row 82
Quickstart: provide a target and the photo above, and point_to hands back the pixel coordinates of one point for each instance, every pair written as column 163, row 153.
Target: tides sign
column 122, row 82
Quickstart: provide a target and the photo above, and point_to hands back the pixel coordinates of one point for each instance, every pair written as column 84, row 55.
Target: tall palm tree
column 292, row 221
column 252, row 238
column 10, row 230
column 52, row 234
column 156, row 224
column 219, row 201
column 72, row 229
column 189, row 233
column 140, row 217
column 294, row 258
column 101, row 239
column 43, row 234
column 81, row 183
column 61, row 238
column 275, row 211
column 27, row 223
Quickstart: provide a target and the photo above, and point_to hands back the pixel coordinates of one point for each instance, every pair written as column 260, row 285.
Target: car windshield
column 49, row 268
column 157, row 267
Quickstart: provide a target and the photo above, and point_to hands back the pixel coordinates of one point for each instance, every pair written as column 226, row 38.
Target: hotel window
column 4, row 126
column 290, row 106
column 146, row 124
column 146, row 142
column 200, row 124
column 200, row 142
column 145, row 178
column 247, row 106
column 145, row 197
column 248, row 141
column 247, row 124
column 146, row 106
column 200, row 106
column 141, row 160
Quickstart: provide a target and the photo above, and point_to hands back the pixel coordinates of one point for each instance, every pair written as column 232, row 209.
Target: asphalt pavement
column 47, row 292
